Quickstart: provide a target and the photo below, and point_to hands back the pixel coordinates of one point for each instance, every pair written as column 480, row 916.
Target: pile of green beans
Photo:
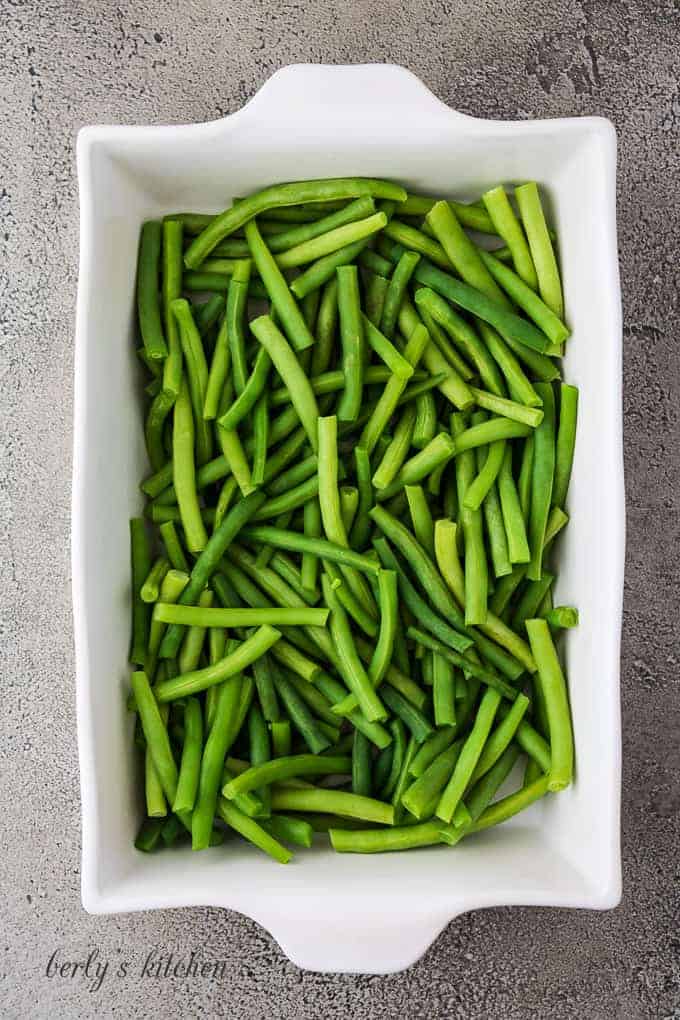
column 360, row 447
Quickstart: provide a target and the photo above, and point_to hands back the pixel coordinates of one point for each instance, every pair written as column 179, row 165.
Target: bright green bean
column 513, row 519
column 476, row 570
column 511, row 805
column 321, row 271
column 421, row 517
column 288, row 367
column 542, row 480
column 469, row 755
column 171, row 288
column 386, row 351
column 248, row 652
column 184, row 472
column 331, row 241
column 500, row 739
column 508, row 227
column 566, row 440
column 437, row 453
column 192, row 751
column 531, row 211
column 278, row 769
column 462, row 253
column 336, row 802
column 196, row 374
column 482, row 793
column 395, row 454
column 394, row 388
column 527, row 299
column 250, row 830
column 286, row 307
column 554, row 691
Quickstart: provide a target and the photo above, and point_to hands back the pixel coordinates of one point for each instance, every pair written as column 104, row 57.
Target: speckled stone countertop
column 66, row 64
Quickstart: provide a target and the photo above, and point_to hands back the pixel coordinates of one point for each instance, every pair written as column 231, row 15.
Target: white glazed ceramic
column 328, row 911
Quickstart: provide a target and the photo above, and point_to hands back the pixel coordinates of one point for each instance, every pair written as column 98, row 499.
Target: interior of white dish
column 322, row 122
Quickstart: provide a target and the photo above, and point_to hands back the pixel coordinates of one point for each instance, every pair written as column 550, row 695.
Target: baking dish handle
column 360, row 945
column 363, row 94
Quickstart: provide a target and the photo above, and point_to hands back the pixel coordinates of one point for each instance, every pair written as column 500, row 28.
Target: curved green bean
column 554, row 691
column 184, row 472
column 462, row 253
column 290, row 370
column 279, row 769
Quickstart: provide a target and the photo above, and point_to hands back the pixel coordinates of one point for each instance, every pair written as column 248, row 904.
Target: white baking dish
column 345, row 912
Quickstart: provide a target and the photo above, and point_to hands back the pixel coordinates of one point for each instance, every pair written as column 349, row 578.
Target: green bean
column 530, row 740
column 374, row 297
column 332, row 382
column 260, row 748
column 395, row 454
column 476, row 571
column 192, row 750
column 463, row 334
column 462, row 253
column 310, row 564
column 421, row 564
column 473, row 216
column 511, row 805
column 297, row 235
column 492, row 681
column 507, row 226
column 288, row 501
column 361, row 765
column 441, row 341
column 173, row 546
column 261, row 439
column 352, row 340
column 321, row 271
column 433, row 746
column 554, row 691
column 362, row 524
column 223, row 267
column 150, row 589
column 281, row 737
column 513, row 519
column 209, row 560
column 288, row 367
column 172, row 586
column 398, row 746
column 562, row 616
column 532, row 772
column 425, row 427
column 421, row 517
column 140, row 562
column 215, row 282
column 295, row 542
column 291, row 830
column 469, row 755
column 283, row 194
column 374, row 262
column 530, row 600
column 154, row 428
column 512, row 327
column 208, row 313
column 500, row 739
column 420, row 799
column 196, row 374
column 524, row 482
column 412, row 717
column 443, row 691
column 322, row 351
column 350, row 665
column 521, row 390
column 192, row 646
column 171, row 288
column 250, row 830
column 155, row 734
column 490, row 432
column 414, row 240
column 542, row 367
column 336, row 802
column 153, row 791
column 219, row 369
column 438, row 452
column 446, row 558
column 283, row 301
column 331, row 240
column 148, row 305
column 532, row 416
column 350, row 602
column 566, row 440
column 386, row 351
column 495, row 528
column 149, row 834
column 528, row 301
column 542, row 476
column 394, row 388
column 396, row 291
column 316, row 700
column 278, row 769
column 195, row 616
column 248, row 652
column 301, row 717
column 549, row 286
column 289, row 572
column 184, row 472
column 335, row 692
column 263, row 672
column 482, row 793
column 374, row 841
column 220, row 736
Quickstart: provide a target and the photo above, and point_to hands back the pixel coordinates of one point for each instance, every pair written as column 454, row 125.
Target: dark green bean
column 566, row 440
column 148, row 285
column 140, row 562
column 542, row 477
column 352, row 341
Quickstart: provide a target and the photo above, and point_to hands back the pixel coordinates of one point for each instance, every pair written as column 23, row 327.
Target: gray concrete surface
column 65, row 64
